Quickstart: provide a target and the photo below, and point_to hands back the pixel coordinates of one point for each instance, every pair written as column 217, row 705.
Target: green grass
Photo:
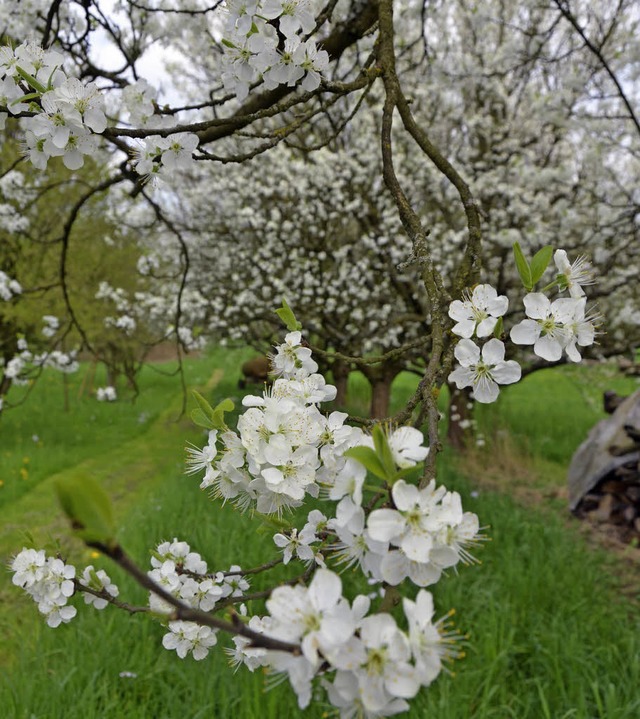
column 40, row 438
column 549, row 634
column 550, row 412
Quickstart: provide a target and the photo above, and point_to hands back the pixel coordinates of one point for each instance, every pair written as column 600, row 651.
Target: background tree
column 522, row 98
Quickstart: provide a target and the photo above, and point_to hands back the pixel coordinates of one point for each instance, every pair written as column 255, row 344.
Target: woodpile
column 255, row 371
column 604, row 476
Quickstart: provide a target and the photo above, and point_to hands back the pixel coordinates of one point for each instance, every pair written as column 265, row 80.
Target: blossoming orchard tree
column 528, row 142
column 259, row 241
column 413, row 146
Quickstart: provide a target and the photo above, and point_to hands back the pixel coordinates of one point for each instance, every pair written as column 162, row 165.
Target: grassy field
column 550, row 634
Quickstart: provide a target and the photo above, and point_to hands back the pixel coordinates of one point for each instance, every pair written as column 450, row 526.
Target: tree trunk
column 4, row 388
column 459, row 418
column 340, row 372
column 380, row 378
column 380, row 397
column 4, row 385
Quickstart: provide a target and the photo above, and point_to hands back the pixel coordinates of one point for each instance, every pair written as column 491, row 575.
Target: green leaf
column 270, row 523
column 523, row 267
column 540, row 262
column 218, row 413
column 206, row 416
column 499, row 328
column 368, row 457
column 200, row 418
column 285, row 313
column 35, row 84
column 89, row 508
column 25, row 98
column 383, row 451
column 203, row 404
column 405, row 472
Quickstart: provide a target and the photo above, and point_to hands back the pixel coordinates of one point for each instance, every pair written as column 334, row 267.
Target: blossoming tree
column 299, row 73
column 523, row 141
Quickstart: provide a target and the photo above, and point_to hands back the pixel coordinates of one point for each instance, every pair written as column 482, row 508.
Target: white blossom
column 548, row 325
column 484, row 372
column 478, row 312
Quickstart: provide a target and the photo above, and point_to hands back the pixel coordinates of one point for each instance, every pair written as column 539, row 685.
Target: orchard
column 446, row 189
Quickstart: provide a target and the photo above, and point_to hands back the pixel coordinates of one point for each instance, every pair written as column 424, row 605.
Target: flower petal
column 462, row 376
column 507, row 372
column 564, row 309
column 498, row 306
column 486, row 327
column 385, row 524
column 486, row 390
column 405, row 496
column 548, row 348
column 467, row 353
column 562, row 261
column 525, row 333
column 464, row 328
column 483, row 295
column 493, row 352
column 460, row 311
column 537, row 305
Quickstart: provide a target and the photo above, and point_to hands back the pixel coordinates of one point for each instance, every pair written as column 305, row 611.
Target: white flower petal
column 525, row 332
column 486, row 390
column 537, row 305
column 385, row 524
column 548, row 348
column 464, row 328
column 467, row 353
column 459, row 311
column 493, row 352
column 507, row 372
column 486, row 327
column 483, row 295
column 462, row 376
column 405, row 496
column 417, row 546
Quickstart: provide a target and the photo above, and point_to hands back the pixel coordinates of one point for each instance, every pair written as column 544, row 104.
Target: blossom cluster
column 51, row 325
column 159, row 157
column 183, row 574
column 265, row 40
column 368, row 665
column 106, row 394
column 50, row 583
column 551, row 327
column 139, row 310
column 62, row 113
column 17, row 368
column 8, row 287
column 285, row 448
column 295, row 244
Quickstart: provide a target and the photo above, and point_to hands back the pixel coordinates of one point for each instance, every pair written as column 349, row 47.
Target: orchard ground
column 552, row 619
